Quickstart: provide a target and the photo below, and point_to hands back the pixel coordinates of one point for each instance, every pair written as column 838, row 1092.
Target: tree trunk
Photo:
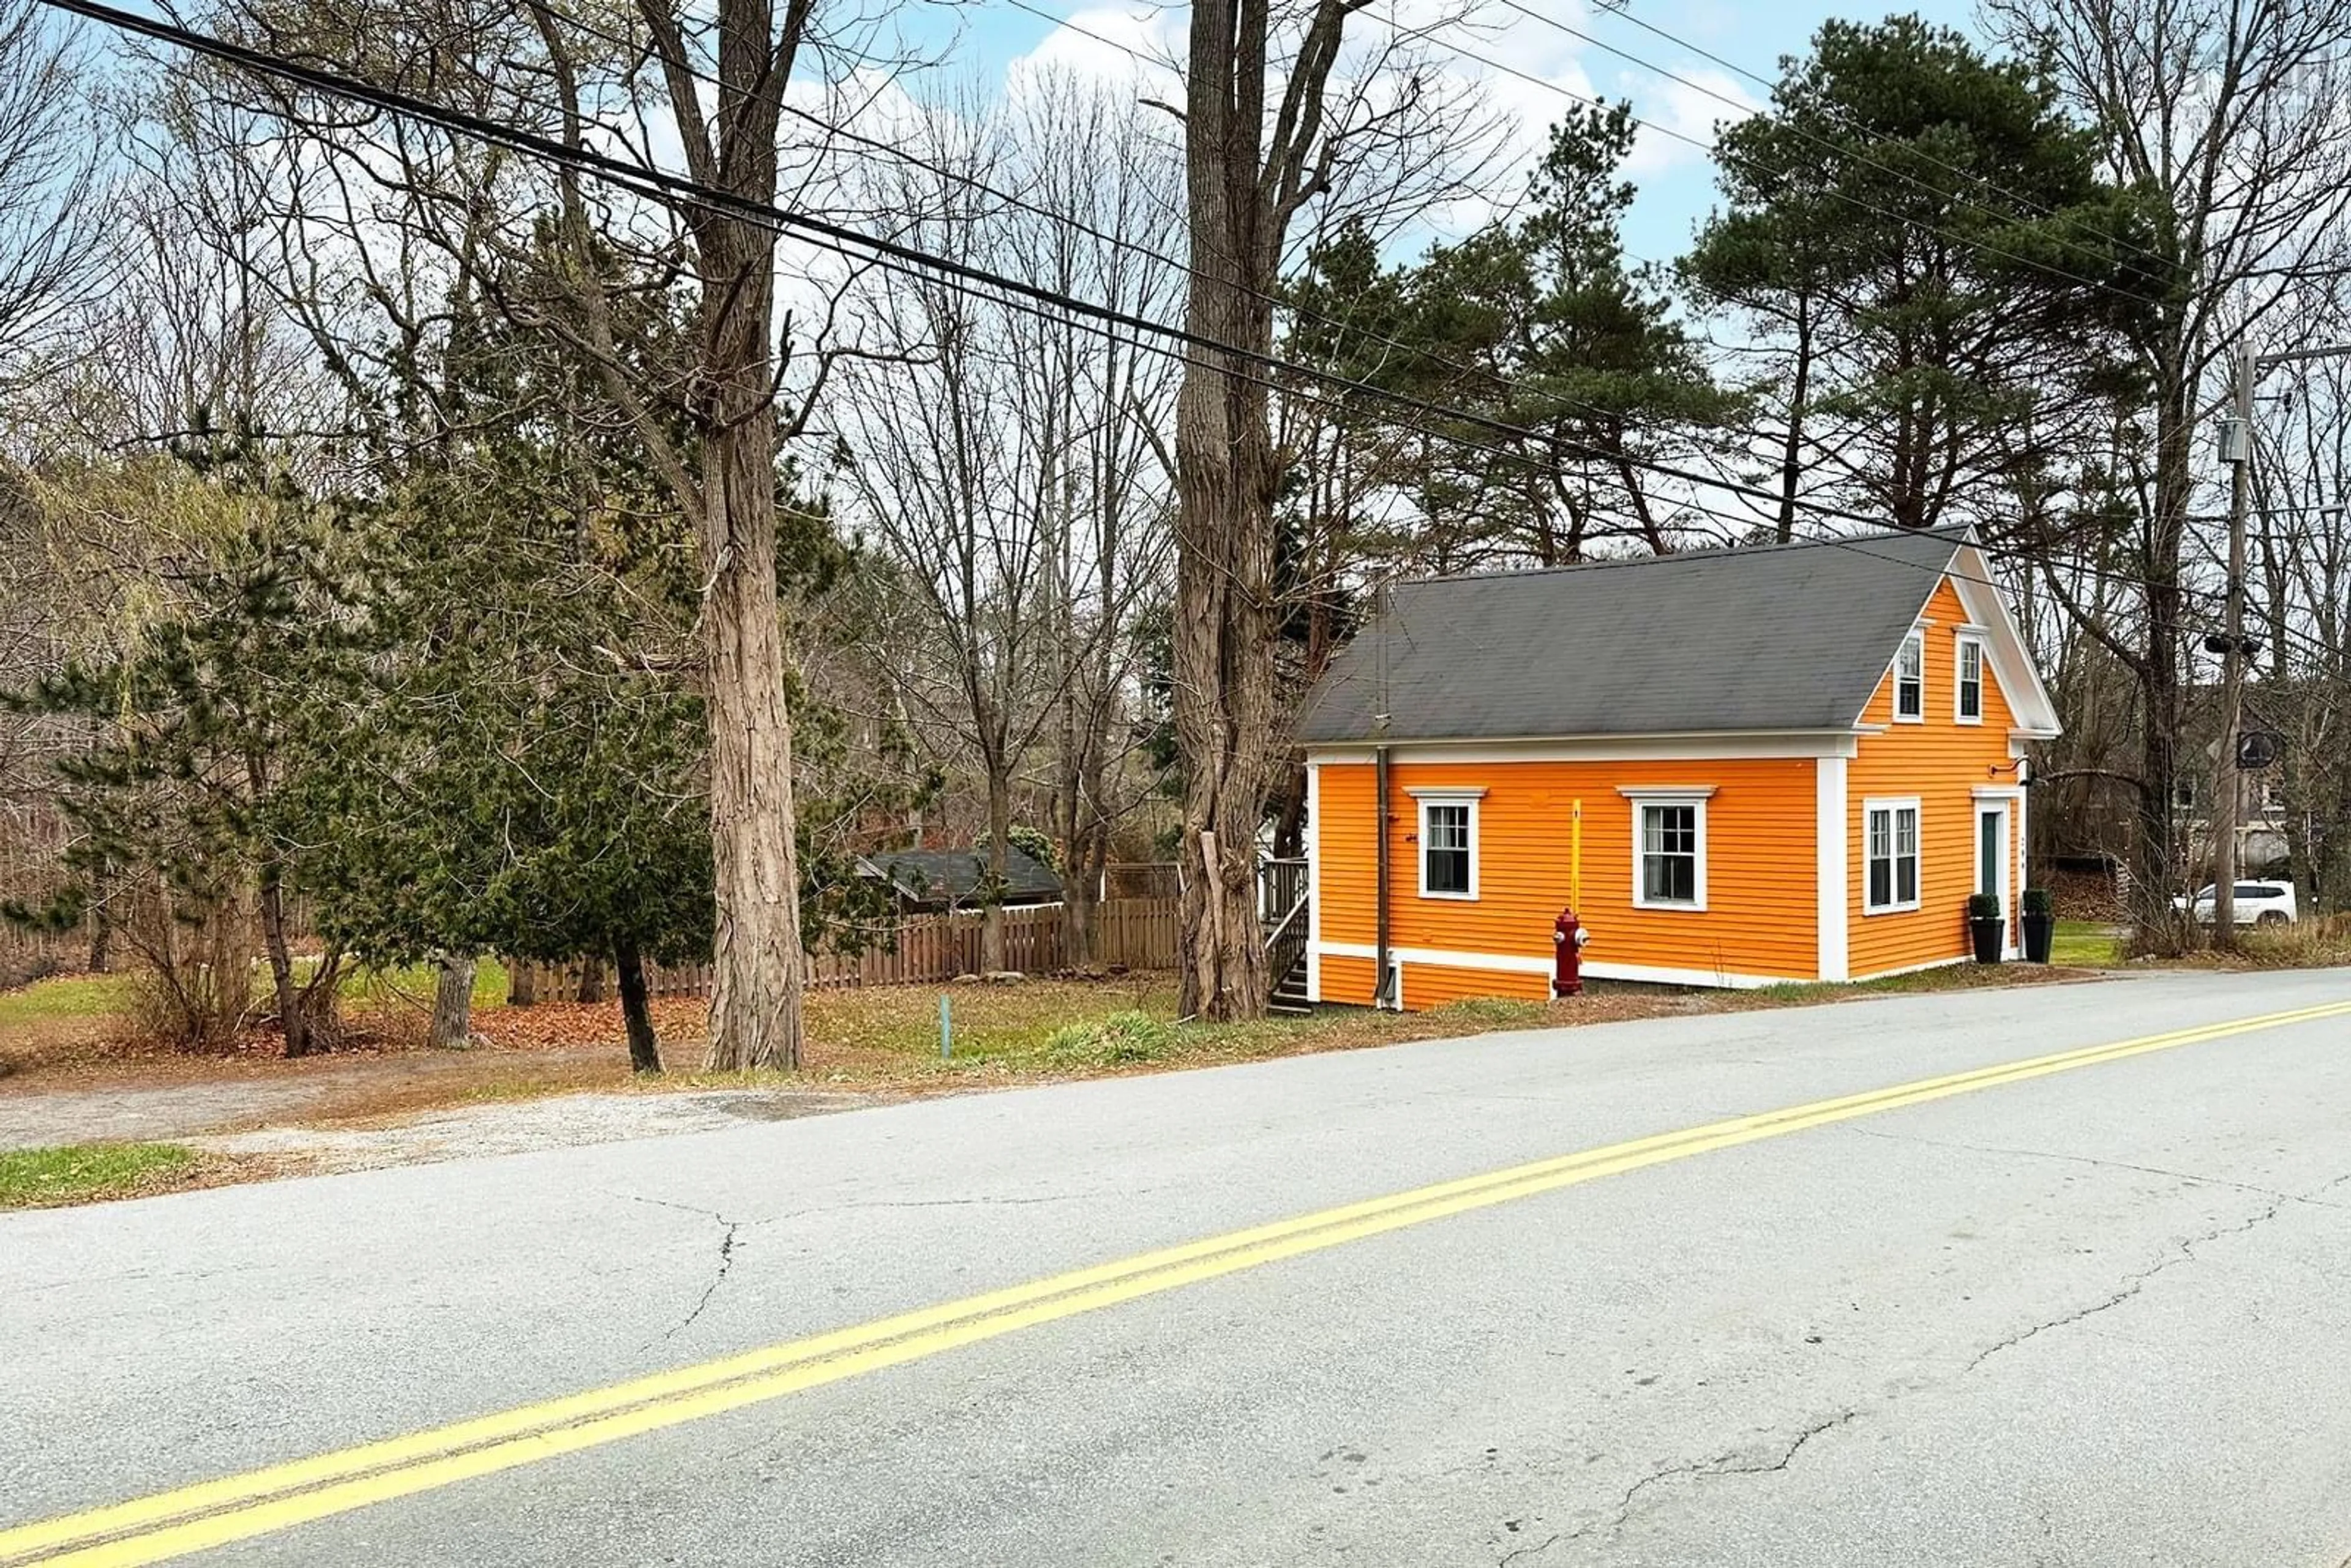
column 293, row 1018
column 522, row 983
column 1239, row 195
column 755, row 995
column 1791, row 457
column 636, row 1009
column 453, row 1004
column 592, row 978
column 1079, row 900
column 2154, row 859
column 999, row 840
column 101, row 924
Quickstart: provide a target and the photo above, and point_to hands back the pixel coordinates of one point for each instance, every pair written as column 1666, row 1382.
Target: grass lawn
column 2087, row 944
column 89, row 1173
column 73, row 997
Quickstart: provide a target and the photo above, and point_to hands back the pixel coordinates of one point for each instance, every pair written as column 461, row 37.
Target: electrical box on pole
column 2236, row 440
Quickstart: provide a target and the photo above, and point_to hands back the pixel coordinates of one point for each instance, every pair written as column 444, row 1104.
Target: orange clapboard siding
column 1761, row 886
column 1941, row 762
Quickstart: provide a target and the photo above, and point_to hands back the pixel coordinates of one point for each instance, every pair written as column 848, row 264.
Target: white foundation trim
column 1652, row 975
column 1517, row 964
column 1916, row 969
column 1509, row 963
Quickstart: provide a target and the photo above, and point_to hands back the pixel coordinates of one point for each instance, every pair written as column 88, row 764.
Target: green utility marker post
column 946, row 1030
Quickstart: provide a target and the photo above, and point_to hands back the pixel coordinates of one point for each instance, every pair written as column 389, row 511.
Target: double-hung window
column 1910, row 680
column 1668, row 847
column 1969, row 682
column 1890, row 856
column 1448, row 842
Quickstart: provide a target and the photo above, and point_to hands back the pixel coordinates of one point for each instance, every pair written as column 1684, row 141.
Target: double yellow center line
column 236, row 1508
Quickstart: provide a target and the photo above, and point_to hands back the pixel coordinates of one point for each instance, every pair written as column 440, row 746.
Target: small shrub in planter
column 1985, row 927
column 2040, row 924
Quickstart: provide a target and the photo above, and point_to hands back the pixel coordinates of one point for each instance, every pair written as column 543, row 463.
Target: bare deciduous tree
column 1002, row 460
column 50, row 211
column 2230, row 117
column 1284, row 105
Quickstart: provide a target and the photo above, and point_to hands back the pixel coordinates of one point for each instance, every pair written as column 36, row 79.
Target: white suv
column 2258, row 903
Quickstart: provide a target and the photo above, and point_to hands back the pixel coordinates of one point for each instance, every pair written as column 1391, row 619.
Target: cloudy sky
column 1670, row 165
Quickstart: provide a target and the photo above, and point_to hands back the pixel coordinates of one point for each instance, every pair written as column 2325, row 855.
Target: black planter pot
column 1987, row 932
column 2040, row 936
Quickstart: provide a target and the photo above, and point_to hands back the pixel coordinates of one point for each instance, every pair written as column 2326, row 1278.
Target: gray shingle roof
column 938, row 875
column 1773, row 638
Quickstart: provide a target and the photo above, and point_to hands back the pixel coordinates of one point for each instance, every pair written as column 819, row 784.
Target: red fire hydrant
column 1568, row 937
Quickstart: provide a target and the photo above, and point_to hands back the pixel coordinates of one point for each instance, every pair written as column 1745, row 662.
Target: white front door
column 1995, row 857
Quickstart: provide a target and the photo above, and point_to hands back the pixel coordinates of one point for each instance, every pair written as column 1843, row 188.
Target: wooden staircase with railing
column 1282, row 903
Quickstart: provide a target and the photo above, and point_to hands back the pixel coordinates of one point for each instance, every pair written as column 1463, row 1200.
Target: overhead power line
column 661, row 185
column 1713, row 150
column 1835, row 115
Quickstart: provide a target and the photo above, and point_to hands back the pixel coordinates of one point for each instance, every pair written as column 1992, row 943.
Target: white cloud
column 1532, row 74
column 1124, row 44
column 1682, row 116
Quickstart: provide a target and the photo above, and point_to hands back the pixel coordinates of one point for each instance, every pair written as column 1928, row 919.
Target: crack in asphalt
column 1530, row 1550
column 2183, row 1251
column 1702, row 1469
column 725, row 1261
column 730, row 1231
column 979, row 1200
column 2310, row 1197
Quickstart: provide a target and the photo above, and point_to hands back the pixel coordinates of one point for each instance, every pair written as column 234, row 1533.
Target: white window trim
column 1917, row 638
column 1644, row 796
column 1893, row 803
column 1983, row 675
column 1427, row 798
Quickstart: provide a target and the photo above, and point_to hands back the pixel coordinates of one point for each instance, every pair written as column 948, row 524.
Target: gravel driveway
column 262, row 1116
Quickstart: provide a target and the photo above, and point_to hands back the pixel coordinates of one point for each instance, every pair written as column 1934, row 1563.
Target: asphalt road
column 2099, row 1314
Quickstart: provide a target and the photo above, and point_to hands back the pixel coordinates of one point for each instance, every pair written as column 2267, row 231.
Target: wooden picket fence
column 1129, row 932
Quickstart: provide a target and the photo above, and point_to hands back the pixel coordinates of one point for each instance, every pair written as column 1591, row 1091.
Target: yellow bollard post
column 1575, row 858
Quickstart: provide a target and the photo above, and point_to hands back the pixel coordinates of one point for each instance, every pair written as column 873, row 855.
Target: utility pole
column 2225, row 795
column 2234, row 645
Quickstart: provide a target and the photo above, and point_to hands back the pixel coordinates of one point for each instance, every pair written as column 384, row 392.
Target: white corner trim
column 1667, row 791
column 1447, row 792
column 1832, row 847
column 1313, row 883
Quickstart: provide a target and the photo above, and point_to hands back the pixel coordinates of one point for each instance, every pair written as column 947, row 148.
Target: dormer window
column 1971, row 682
column 1910, row 680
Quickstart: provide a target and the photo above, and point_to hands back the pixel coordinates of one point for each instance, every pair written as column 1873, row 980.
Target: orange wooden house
column 1786, row 763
